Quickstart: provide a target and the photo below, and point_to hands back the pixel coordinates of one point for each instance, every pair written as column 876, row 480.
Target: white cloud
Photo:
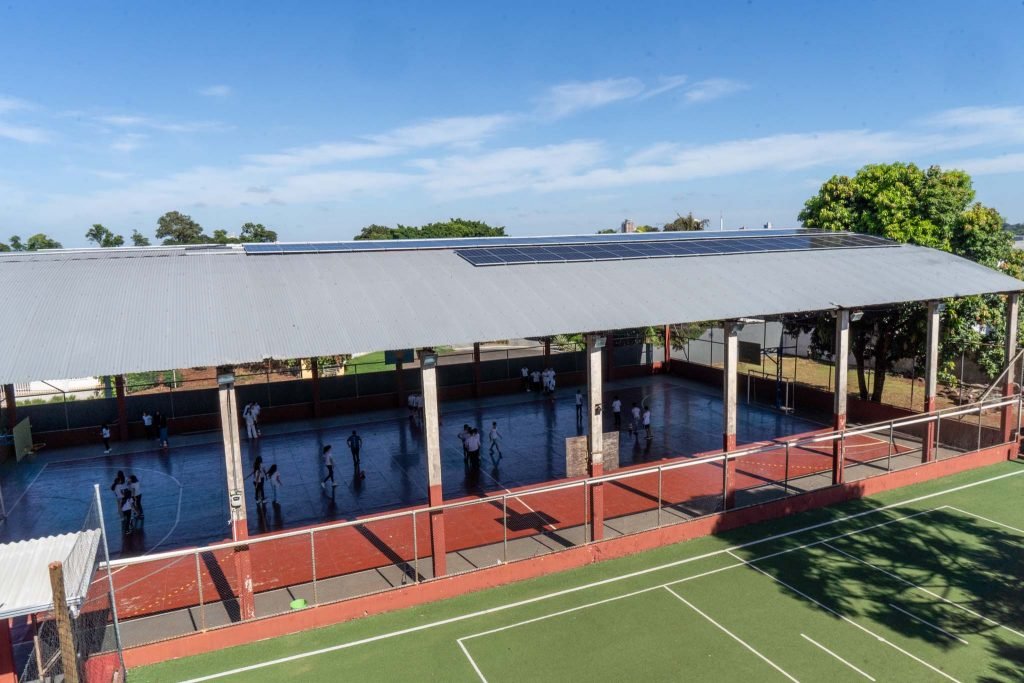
column 29, row 134
column 128, row 121
column 455, row 130
column 1004, row 163
column 12, row 104
column 974, row 117
column 216, row 91
column 665, row 84
column 569, row 98
column 713, row 89
column 129, row 142
column 319, row 155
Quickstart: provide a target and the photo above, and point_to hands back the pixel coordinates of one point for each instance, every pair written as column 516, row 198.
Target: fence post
column 202, row 602
column 1010, row 350
column 312, row 565
column 892, row 439
column 786, row 483
column 415, row 548
column 504, row 528
column 660, row 501
column 68, row 655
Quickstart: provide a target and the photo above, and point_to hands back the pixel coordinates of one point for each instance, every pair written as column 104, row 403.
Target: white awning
column 25, row 574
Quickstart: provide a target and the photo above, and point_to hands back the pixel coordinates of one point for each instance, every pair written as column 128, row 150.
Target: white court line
column 814, row 642
column 929, row 624
column 990, row 521
column 731, row 634
column 852, row 622
column 471, row 661
column 933, row 594
column 11, row 509
column 594, row 584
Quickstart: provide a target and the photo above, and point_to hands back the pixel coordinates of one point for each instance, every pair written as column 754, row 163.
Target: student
column 617, row 412
column 119, row 482
column 579, row 406
column 634, row 423
column 250, row 421
column 105, row 435
column 258, row 479
column 473, row 448
column 535, row 376
column 127, row 507
column 495, row 438
column 161, row 424
column 274, row 477
column 329, row 465
column 525, row 372
column 147, row 423
column 256, row 417
column 647, row 422
column 136, row 490
column 463, row 436
column 355, row 442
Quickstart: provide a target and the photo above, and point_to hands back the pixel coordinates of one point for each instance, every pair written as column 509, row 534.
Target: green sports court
column 917, row 584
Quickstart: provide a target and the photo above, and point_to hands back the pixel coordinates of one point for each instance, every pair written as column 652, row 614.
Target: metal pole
column 586, row 514
column 415, row 549
column 786, row 482
column 504, row 528
column 660, row 503
column 110, row 577
column 312, row 562
column 979, row 429
column 888, row 459
column 938, row 429
column 202, row 605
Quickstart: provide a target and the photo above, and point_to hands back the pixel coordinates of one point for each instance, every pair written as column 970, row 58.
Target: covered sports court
column 181, row 307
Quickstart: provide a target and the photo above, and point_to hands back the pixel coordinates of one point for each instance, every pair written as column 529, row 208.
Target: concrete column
column 1008, row 417
column 400, row 397
column 236, row 488
column 314, row 378
column 931, row 375
column 731, row 361
column 667, row 360
column 595, row 434
column 122, row 408
column 432, row 441
column 842, row 355
column 476, row 369
column 11, row 407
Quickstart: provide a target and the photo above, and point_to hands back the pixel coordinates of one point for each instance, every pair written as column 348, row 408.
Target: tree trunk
column 881, row 366
column 858, row 354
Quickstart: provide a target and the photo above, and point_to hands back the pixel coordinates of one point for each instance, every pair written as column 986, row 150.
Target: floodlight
column 225, row 378
column 599, row 342
column 856, row 315
column 428, row 358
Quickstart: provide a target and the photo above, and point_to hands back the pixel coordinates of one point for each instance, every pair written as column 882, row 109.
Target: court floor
column 183, row 489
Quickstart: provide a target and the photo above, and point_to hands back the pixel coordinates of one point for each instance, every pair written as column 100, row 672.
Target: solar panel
column 668, row 248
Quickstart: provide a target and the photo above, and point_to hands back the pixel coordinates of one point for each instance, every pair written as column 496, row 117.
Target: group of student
column 251, row 415
column 355, row 445
column 638, row 418
column 472, row 442
column 155, row 426
column 261, row 476
column 128, row 494
column 542, row 381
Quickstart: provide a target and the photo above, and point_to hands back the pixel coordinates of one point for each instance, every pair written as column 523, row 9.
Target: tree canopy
column 34, row 243
column 453, row 227
column 102, row 237
column 933, row 208
column 139, row 240
column 177, row 228
column 686, row 223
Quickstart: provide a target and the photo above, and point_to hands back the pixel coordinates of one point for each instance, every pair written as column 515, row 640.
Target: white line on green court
column 932, row 593
column 929, row 624
column 825, row 607
column 814, row 642
column 594, row 584
column 470, row 658
column 731, row 634
column 986, row 519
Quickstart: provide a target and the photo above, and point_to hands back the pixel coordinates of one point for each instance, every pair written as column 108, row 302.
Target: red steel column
column 931, row 369
column 476, row 369
column 236, row 488
column 7, row 672
column 595, row 435
column 314, row 378
column 122, row 408
column 1008, row 418
column 842, row 356
column 432, row 442
column 12, row 407
column 731, row 360
column 667, row 361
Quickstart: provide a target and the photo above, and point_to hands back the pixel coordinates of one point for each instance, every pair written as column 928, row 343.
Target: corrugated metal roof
column 74, row 316
column 25, row 575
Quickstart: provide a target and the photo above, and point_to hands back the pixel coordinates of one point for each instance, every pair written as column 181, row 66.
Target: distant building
column 628, row 226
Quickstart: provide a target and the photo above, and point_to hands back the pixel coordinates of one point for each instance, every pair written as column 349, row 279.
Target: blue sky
column 318, row 119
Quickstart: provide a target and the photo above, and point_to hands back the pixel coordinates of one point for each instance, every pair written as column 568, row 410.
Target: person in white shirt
column 105, row 435
column 248, row 414
column 495, row 438
column 136, row 490
column 147, row 423
column 464, row 437
column 274, row 477
column 617, row 412
column 647, row 422
column 634, row 424
column 525, row 372
column 329, row 466
column 473, row 448
column 256, row 416
column 535, row 376
column 579, row 406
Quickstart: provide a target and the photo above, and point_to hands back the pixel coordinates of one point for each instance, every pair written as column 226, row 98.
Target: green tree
column 177, row 228
column 607, row 231
column 4, row 247
column 41, row 241
column 256, row 232
column 103, row 237
column 454, row 227
column 686, row 223
column 932, row 208
column 646, row 228
column 139, row 240
column 222, row 237
column 16, row 244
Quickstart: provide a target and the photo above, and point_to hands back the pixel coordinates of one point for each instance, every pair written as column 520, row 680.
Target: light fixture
column 856, row 315
column 600, row 342
column 428, row 358
column 941, row 308
column 225, row 378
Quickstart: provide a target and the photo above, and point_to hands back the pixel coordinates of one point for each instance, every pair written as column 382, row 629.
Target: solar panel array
column 617, row 251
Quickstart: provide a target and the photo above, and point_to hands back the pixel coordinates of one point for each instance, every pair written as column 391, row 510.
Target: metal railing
column 348, row 559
